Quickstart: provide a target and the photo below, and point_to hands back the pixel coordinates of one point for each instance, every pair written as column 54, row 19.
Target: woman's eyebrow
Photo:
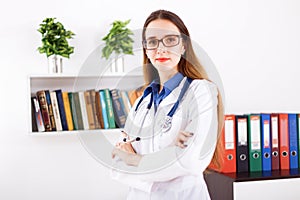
column 152, row 37
column 155, row 37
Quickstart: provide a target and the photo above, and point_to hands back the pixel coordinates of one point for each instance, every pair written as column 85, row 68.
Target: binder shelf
column 275, row 185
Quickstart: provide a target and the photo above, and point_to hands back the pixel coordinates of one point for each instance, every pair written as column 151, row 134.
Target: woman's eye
column 152, row 42
column 170, row 40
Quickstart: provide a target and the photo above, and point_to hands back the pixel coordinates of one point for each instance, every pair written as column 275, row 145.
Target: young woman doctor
column 172, row 130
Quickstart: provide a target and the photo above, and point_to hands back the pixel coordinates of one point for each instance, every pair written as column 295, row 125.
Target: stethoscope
column 167, row 123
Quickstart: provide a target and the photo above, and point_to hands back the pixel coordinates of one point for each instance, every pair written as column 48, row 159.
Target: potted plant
column 55, row 43
column 118, row 41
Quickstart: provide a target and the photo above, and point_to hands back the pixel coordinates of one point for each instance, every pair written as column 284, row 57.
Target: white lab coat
column 167, row 171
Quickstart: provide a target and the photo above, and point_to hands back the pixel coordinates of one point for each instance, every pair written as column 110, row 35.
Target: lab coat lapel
column 173, row 96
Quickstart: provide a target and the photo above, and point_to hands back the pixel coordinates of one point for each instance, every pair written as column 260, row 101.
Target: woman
column 180, row 114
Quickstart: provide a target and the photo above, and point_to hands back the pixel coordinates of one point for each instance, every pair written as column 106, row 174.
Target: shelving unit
column 75, row 82
column 275, row 185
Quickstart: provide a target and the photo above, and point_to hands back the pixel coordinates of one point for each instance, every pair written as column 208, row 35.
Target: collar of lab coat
column 173, row 96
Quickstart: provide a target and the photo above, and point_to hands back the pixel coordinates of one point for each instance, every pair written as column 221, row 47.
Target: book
column 89, row 109
column 83, row 110
column 103, row 109
column 118, row 108
column 68, row 111
column 140, row 91
column 93, row 102
column 61, row 108
column 55, row 111
column 126, row 101
column 99, row 109
column 37, row 114
column 78, row 110
column 50, row 109
column 109, row 108
column 132, row 95
column 73, row 110
column 41, row 96
column 34, row 127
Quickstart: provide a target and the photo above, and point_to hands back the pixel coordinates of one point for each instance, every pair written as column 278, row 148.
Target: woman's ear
column 182, row 50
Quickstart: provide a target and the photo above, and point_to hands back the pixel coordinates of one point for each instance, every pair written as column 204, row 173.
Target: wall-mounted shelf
column 74, row 83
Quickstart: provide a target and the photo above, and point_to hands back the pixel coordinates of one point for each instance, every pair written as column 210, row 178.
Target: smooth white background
column 254, row 45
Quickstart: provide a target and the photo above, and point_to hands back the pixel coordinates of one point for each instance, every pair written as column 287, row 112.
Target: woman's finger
column 125, row 136
column 182, row 138
column 118, row 144
column 181, row 145
column 114, row 153
column 187, row 134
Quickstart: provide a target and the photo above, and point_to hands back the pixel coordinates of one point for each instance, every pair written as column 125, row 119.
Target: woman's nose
column 161, row 47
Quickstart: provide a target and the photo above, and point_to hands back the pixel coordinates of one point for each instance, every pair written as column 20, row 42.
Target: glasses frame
column 162, row 41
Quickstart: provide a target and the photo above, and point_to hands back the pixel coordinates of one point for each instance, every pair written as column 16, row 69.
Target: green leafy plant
column 118, row 40
column 55, row 39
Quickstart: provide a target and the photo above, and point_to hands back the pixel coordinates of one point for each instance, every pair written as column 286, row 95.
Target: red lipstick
column 162, row 59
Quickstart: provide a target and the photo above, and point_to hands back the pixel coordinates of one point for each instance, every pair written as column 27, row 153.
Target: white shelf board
column 75, row 132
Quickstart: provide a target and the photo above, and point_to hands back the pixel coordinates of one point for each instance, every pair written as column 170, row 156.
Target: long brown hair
column 188, row 65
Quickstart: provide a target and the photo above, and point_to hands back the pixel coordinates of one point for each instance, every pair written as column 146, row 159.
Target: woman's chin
column 164, row 67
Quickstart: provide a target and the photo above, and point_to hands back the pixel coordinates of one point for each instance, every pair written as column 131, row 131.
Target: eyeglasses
column 167, row 41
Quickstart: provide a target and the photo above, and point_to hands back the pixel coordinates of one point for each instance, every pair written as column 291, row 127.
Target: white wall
column 254, row 45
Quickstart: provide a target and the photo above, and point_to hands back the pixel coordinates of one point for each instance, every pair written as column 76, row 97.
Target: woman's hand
column 125, row 146
column 129, row 158
column 126, row 153
column 181, row 138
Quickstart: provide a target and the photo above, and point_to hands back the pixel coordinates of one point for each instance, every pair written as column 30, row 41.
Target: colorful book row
column 260, row 142
column 83, row 110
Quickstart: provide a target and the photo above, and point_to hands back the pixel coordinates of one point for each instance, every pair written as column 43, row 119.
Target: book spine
column 38, row 115
column 34, row 127
column 68, row 111
column 99, row 109
column 61, row 109
column 73, row 110
column 83, row 111
column 78, row 110
column 93, row 102
column 127, row 104
column 50, row 108
column 44, row 109
column 56, row 111
column 89, row 110
column 109, row 108
column 132, row 94
column 104, row 110
column 118, row 108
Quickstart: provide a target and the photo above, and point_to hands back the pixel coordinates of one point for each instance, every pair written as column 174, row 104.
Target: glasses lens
column 171, row 40
column 151, row 43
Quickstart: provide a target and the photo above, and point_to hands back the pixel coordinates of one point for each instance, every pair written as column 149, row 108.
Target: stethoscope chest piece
column 167, row 124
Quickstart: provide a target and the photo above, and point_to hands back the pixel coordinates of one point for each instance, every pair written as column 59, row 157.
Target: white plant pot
column 117, row 65
column 55, row 64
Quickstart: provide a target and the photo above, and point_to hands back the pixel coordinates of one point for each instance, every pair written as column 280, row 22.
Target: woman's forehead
column 160, row 28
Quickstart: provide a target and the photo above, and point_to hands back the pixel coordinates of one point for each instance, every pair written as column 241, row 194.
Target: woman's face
column 164, row 45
